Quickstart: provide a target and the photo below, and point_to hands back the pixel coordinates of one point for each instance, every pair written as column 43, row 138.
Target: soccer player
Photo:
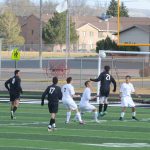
column 13, row 85
column 68, row 95
column 86, row 97
column 126, row 90
column 54, row 95
column 106, row 79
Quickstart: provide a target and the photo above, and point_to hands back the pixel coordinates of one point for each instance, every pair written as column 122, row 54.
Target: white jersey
column 127, row 89
column 67, row 92
column 86, row 96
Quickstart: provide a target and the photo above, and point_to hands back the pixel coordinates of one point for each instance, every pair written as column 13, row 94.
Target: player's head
column 107, row 68
column 55, row 80
column 69, row 79
column 87, row 83
column 17, row 72
column 128, row 78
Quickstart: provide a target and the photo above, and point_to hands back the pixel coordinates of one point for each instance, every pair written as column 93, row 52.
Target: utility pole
column 67, row 34
column 41, row 41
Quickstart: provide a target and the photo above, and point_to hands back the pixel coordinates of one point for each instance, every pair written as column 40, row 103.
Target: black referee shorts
column 53, row 107
column 14, row 96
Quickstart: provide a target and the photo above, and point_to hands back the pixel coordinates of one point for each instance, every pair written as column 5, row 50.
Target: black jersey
column 13, row 85
column 53, row 92
column 106, row 79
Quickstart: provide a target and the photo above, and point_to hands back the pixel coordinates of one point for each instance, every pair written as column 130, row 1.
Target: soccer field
column 29, row 130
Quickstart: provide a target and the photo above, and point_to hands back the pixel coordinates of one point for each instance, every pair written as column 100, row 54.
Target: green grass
column 29, row 130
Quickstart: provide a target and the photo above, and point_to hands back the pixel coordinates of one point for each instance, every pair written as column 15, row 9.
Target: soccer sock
column 122, row 114
column 105, row 107
column 95, row 115
column 133, row 114
column 68, row 116
column 79, row 116
column 14, row 109
column 51, row 122
column 54, row 125
column 100, row 108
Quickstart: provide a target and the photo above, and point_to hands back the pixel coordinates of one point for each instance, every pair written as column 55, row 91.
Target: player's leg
column 134, row 114
column 122, row 113
column 52, row 124
column 101, row 101
column 95, row 114
column 11, row 109
column 79, row 116
column 105, row 105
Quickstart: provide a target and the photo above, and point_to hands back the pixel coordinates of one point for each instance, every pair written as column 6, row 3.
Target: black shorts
column 53, row 107
column 14, row 97
column 104, row 93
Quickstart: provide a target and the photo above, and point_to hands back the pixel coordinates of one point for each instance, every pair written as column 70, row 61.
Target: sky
column 140, row 4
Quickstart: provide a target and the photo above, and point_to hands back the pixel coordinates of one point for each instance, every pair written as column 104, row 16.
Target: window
column 32, row 32
column 84, row 33
column 91, row 34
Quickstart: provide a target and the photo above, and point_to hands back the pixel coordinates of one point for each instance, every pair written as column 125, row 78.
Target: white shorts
column 70, row 104
column 103, row 100
column 127, row 102
column 87, row 107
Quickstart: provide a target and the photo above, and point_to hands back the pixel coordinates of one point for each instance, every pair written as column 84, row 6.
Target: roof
column 145, row 28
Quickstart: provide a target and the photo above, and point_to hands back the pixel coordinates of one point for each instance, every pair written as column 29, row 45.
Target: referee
column 13, row 85
column 106, row 79
column 54, row 95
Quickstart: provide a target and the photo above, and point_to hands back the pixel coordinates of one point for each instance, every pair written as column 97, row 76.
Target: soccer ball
column 102, row 54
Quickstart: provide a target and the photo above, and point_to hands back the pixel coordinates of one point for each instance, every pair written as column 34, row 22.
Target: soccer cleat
column 134, row 118
column 97, row 121
column 81, row 122
column 50, row 129
column 104, row 113
column 66, row 122
column 121, row 119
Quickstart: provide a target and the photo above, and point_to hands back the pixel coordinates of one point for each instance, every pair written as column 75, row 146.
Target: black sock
column 14, row 109
column 105, row 107
column 52, row 121
column 100, row 107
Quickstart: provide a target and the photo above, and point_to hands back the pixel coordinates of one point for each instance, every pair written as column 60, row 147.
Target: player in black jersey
column 13, row 85
column 106, row 79
column 54, row 95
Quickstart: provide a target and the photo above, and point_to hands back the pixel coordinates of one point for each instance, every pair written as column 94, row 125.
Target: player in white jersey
column 84, row 105
column 67, row 99
column 126, row 90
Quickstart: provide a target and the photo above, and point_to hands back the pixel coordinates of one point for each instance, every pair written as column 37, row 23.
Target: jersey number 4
column 107, row 77
column 51, row 90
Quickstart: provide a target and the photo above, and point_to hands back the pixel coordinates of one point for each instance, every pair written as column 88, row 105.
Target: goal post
column 103, row 53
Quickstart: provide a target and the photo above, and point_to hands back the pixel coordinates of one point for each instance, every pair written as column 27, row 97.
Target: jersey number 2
column 51, row 90
column 107, row 77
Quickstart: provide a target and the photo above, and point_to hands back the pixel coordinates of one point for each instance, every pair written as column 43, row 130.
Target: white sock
column 68, row 116
column 95, row 115
column 49, row 126
column 133, row 114
column 79, row 116
column 76, row 118
column 122, row 114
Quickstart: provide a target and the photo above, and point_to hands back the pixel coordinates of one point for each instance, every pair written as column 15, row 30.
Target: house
column 137, row 34
column 89, row 28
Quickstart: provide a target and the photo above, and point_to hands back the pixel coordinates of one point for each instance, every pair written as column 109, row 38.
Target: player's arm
column 97, row 79
column 114, row 83
column 59, row 93
column 18, row 84
column 7, row 83
column 44, row 95
column 134, row 92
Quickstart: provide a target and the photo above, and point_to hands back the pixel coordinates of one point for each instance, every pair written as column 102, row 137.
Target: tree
column 22, row 7
column 109, row 44
column 10, row 27
column 54, row 32
column 113, row 9
column 123, row 10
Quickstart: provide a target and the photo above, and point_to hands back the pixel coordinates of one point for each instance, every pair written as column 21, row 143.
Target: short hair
column 55, row 80
column 69, row 79
column 107, row 68
column 16, row 72
column 86, row 83
column 128, row 76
